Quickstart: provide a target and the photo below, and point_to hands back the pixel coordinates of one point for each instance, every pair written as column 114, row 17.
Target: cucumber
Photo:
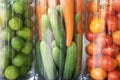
column 70, row 61
column 78, row 40
column 39, row 59
column 45, row 28
column 57, row 27
column 48, row 62
column 54, row 44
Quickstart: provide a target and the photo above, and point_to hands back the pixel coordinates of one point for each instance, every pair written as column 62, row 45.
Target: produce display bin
column 16, row 39
column 102, row 43
column 59, row 42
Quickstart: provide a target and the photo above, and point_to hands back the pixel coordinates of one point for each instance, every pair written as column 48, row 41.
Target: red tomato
column 92, row 61
column 98, row 74
column 108, row 63
column 111, row 50
column 114, row 75
column 90, row 36
column 92, row 6
column 105, row 12
column 93, row 49
column 103, row 40
column 116, row 5
column 112, row 23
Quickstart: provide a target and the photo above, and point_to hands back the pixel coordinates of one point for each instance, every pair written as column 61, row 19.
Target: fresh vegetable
column 79, row 4
column 98, row 74
column 108, row 63
column 114, row 75
column 68, row 13
column 48, row 62
column 57, row 28
column 116, row 37
column 78, row 66
column 70, row 61
column 118, row 59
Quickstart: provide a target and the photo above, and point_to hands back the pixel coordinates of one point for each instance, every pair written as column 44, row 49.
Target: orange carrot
column 40, row 9
column 79, row 4
column 68, row 13
column 53, row 3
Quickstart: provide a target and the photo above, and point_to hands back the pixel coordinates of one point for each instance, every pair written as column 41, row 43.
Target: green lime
column 16, row 23
column 12, row 72
column 28, row 47
column 25, row 33
column 19, row 60
column 17, row 43
column 19, row 6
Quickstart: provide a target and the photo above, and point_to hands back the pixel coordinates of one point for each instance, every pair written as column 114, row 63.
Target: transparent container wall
column 16, row 39
column 103, row 39
column 59, row 43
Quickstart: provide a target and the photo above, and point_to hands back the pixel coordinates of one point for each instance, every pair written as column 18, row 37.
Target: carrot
column 40, row 9
column 79, row 4
column 68, row 13
column 53, row 3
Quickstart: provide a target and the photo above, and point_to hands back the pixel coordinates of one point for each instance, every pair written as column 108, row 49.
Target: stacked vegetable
column 59, row 48
column 103, row 34
column 16, row 38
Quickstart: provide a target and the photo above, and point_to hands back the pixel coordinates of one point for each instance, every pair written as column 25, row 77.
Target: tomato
column 111, row 50
column 98, row 74
column 112, row 23
column 116, row 37
column 108, row 63
column 116, row 5
column 90, row 36
column 103, row 40
column 97, row 25
column 92, row 6
column 114, row 75
column 105, row 12
column 118, row 59
column 93, row 49
column 92, row 61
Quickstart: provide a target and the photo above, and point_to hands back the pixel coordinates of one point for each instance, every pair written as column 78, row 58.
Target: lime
column 15, row 23
column 25, row 33
column 19, row 6
column 19, row 60
column 11, row 72
column 28, row 47
column 17, row 43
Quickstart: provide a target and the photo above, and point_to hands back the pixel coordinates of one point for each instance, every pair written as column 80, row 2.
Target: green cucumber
column 57, row 27
column 39, row 58
column 70, row 61
column 45, row 28
column 78, row 40
column 49, row 66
